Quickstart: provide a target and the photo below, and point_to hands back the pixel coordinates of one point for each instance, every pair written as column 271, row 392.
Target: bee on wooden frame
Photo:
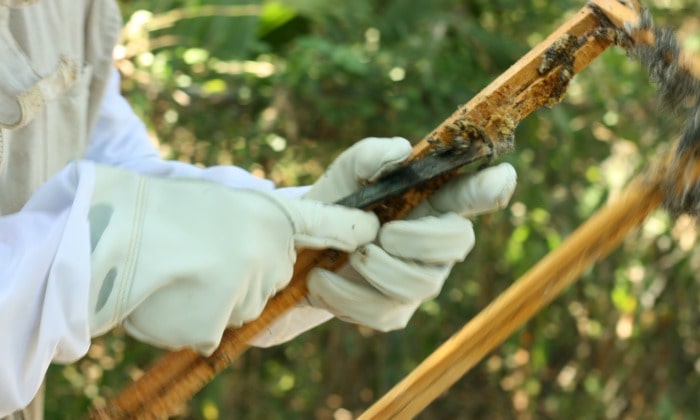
column 561, row 52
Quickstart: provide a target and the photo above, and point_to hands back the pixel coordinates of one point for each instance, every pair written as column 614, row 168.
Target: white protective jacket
column 60, row 111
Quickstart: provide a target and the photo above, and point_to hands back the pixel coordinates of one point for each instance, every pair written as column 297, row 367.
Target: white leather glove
column 385, row 282
column 176, row 261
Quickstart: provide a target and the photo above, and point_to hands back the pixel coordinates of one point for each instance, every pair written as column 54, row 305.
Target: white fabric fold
column 44, row 283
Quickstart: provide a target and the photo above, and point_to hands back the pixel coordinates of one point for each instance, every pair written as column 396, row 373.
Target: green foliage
column 281, row 87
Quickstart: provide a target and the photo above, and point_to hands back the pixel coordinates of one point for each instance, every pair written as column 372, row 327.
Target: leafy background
column 281, row 87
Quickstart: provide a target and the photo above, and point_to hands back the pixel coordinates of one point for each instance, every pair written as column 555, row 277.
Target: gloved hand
column 385, row 282
column 176, row 261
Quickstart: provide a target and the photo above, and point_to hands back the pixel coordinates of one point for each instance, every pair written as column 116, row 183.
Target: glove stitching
column 132, row 251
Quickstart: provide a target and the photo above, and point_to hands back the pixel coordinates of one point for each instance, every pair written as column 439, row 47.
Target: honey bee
column 464, row 127
column 458, row 137
column 614, row 35
column 560, row 53
column 505, row 128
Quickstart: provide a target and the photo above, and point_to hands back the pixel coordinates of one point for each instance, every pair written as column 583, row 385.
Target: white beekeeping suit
column 97, row 231
column 51, row 78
